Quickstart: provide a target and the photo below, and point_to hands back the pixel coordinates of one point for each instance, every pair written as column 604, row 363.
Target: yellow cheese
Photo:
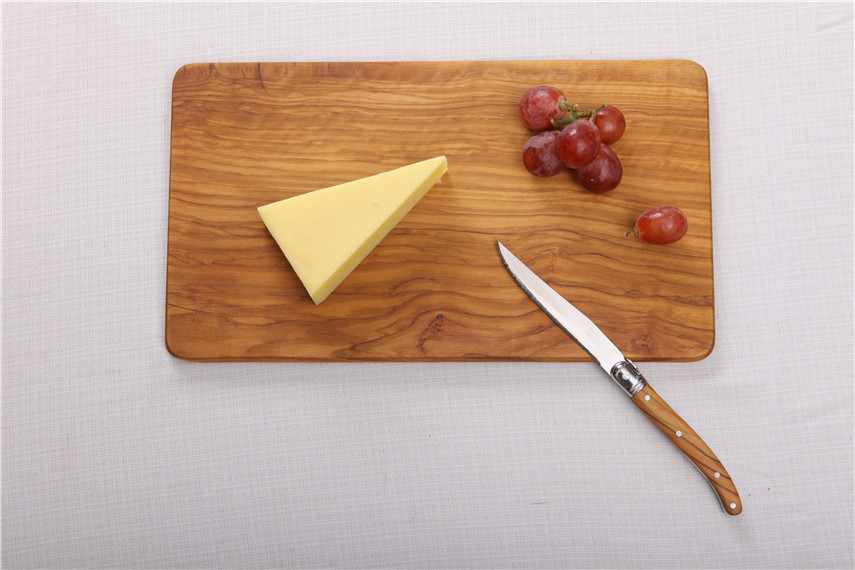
column 325, row 234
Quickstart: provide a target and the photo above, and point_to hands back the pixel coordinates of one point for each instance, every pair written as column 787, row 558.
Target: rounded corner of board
column 190, row 72
column 695, row 68
column 704, row 352
column 174, row 352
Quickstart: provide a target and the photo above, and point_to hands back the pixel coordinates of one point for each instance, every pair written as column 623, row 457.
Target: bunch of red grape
column 581, row 141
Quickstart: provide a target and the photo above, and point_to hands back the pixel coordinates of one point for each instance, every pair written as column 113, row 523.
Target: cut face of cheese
column 327, row 233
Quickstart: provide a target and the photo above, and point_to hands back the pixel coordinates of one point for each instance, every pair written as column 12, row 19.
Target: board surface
column 247, row 134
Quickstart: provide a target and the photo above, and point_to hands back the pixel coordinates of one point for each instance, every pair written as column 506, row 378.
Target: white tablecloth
column 116, row 454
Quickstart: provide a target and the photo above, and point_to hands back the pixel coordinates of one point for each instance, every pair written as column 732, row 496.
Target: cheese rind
column 327, row 233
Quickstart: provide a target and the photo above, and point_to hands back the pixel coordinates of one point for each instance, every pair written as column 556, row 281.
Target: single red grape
column 539, row 105
column 540, row 154
column 661, row 225
column 611, row 123
column 579, row 143
column 603, row 173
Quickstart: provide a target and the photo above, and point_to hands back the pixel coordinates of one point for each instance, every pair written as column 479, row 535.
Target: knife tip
column 505, row 255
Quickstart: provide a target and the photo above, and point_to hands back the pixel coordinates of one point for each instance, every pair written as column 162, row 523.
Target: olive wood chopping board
column 435, row 289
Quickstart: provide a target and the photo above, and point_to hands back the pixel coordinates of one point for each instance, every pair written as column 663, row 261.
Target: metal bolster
column 628, row 377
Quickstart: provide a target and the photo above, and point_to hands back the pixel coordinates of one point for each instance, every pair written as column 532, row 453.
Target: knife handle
column 692, row 446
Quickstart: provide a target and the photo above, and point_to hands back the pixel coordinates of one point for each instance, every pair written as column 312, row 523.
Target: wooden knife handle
column 692, row 446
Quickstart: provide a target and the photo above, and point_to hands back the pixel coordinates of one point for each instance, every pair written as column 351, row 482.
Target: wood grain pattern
column 244, row 135
column 693, row 447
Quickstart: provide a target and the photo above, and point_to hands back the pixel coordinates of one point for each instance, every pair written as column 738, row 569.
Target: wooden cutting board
column 247, row 134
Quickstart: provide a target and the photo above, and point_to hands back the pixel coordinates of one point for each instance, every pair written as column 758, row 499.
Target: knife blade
column 623, row 371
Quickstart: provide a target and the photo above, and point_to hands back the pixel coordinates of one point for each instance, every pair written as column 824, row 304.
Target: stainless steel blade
column 565, row 315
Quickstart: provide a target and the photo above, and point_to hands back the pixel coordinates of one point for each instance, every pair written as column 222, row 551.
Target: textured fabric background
column 117, row 455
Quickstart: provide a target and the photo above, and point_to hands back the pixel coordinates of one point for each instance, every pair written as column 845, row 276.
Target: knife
column 624, row 372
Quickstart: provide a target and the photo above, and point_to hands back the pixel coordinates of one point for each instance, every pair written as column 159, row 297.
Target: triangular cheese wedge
column 325, row 234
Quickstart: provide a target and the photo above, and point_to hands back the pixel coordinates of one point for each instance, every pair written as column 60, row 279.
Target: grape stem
column 575, row 114
column 632, row 233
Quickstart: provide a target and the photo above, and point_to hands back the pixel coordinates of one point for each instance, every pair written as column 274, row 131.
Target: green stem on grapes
column 597, row 110
column 632, row 233
column 575, row 114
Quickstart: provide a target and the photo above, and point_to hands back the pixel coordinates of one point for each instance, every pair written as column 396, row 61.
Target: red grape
column 611, row 123
column 540, row 154
column 539, row 105
column 579, row 143
column 661, row 225
column 603, row 173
